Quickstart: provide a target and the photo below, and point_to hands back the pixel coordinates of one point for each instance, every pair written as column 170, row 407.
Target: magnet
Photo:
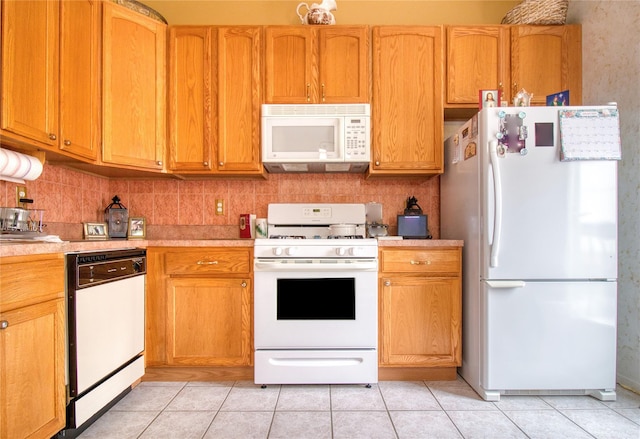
column 524, row 151
column 501, row 114
column 501, row 150
column 522, row 115
column 500, row 136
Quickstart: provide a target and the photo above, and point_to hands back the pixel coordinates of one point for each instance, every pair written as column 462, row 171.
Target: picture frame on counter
column 489, row 98
column 137, row 228
column 95, row 231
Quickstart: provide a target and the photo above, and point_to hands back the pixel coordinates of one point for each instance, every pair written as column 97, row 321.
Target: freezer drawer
column 550, row 336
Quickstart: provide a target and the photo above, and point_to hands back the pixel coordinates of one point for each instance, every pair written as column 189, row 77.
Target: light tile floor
column 390, row 409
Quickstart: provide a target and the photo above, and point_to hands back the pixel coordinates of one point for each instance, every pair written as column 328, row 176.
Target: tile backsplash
column 186, row 209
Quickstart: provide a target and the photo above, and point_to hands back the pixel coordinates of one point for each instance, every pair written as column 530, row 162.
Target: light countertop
column 27, row 248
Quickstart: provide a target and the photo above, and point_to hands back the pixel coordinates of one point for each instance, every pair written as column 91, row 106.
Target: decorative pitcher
column 318, row 13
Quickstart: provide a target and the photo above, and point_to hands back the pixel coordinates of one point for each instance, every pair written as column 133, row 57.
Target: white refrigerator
column 532, row 191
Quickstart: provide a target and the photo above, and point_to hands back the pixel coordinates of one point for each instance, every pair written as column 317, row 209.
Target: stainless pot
column 342, row 229
column 13, row 218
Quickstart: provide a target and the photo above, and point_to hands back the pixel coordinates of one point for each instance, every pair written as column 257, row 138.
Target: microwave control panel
column 356, row 136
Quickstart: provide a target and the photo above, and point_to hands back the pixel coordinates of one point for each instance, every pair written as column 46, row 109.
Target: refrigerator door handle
column 506, row 283
column 497, row 195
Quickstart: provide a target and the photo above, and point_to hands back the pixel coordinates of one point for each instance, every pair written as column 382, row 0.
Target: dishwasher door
column 109, row 329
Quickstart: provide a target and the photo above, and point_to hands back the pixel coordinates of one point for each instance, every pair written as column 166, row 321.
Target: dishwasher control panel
column 96, row 268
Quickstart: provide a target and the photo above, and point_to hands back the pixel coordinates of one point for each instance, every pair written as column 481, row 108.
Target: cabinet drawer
column 26, row 280
column 431, row 261
column 208, row 260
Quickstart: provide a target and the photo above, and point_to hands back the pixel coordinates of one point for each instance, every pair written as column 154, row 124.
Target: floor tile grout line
column 445, row 412
column 162, row 409
column 217, row 411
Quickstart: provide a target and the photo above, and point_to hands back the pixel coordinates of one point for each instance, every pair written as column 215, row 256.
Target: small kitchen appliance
column 316, row 297
column 532, row 191
column 413, row 224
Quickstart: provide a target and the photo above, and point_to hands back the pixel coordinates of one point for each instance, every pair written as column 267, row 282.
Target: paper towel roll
column 18, row 167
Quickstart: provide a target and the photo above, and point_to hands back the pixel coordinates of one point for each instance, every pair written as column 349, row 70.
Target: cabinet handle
column 221, row 164
column 205, row 163
column 377, row 163
column 67, row 142
column 420, row 262
column 207, row 262
column 308, row 95
column 322, row 92
column 243, row 284
column 387, row 283
column 52, row 136
column 159, row 163
column 4, row 324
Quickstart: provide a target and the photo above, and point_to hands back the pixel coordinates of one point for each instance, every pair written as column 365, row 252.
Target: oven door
column 324, row 304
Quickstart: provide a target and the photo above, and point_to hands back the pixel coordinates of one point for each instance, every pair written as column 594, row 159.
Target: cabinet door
column 209, row 321
column 547, row 60
column 407, row 114
column 32, row 383
column 289, row 77
column 343, row 64
column 80, row 78
column 133, row 88
column 191, row 98
column 420, row 321
column 239, row 99
column 30, row 56
column 477, row 58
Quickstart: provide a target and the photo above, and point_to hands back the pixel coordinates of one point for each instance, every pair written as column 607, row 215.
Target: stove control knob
column 356, row 251
column 277, row 251
column 292, row 251
column 340, row 251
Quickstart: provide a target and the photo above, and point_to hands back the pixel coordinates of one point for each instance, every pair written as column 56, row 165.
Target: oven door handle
column 279, row 265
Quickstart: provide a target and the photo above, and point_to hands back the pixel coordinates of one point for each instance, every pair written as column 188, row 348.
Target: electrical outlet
column 21, row 192
column 219, row 206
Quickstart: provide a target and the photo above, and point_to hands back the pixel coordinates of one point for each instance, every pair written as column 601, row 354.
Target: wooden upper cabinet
column 547, row 60
column 191, row 98
column 30, row 61
column 214, row 100
column 239, row 100
column 407, row 114
column 306, row 64
column 134, row 89
column 80, row 125
column 477, row 58
column 344, row 64
column 541, row 59
column 51, row 75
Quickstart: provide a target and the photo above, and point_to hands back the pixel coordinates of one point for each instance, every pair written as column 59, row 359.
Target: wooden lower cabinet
column 32, row 346
column 208, row 321
column 199, row 313
column 420, row 306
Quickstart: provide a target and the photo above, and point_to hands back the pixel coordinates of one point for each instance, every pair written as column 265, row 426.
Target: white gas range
column 316, row 297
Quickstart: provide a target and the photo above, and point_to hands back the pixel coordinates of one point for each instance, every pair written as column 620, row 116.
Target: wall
column 424, row 12
column 185, row 209
column 611, row 68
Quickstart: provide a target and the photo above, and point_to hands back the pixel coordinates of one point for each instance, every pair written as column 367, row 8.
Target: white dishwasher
column 105, row 331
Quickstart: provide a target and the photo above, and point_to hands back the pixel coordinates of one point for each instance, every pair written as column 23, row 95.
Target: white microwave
column 316, row 138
